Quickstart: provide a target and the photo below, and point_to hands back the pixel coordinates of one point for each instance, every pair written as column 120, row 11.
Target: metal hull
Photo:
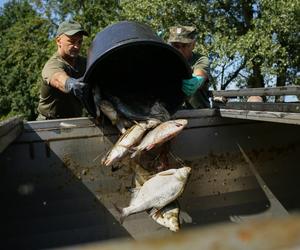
column 55, row 192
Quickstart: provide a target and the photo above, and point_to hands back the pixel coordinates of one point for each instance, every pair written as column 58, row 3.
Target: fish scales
column 132, row 136
column 168, row 216
column 158, row 191
column 162, row 133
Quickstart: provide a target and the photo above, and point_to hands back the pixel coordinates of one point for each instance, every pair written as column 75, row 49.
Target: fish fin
column 185, row 217
column 157, row 214
column 134, row 193
column 134, row 154
column 107, row 162
column 104, row 159
column 167, row 172
column 121, row 127
column 120, row 212
column 134, row 190
column 149, row 147
column 153, row 211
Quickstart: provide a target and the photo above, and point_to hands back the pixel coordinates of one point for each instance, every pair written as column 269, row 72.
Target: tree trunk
column 280, row 81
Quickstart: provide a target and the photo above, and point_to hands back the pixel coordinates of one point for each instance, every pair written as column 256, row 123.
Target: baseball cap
column 182, row 34
column 70, row 28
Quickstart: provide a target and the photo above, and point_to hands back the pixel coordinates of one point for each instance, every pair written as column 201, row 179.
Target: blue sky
column 2, row 2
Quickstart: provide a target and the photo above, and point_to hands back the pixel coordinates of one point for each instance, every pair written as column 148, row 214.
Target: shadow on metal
column 44, row 202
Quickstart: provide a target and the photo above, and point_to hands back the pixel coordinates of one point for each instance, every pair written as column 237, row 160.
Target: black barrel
column 130, row 59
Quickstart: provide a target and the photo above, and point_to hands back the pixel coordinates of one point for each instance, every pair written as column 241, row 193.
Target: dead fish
column 126, row 110
column 97, row 100
column 108, row 109
column 157, row 192
column 160, row 134
column 168, row 216
column 159, row 112
column 132, row 136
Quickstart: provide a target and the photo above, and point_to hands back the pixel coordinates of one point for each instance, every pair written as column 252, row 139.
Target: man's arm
column 58, row 80
column 200, row 72
column 67, row 84
column 201, row 67
column 200, row 75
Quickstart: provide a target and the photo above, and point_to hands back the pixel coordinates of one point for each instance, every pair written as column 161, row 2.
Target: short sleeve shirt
column 54, row 103
column 201, row 98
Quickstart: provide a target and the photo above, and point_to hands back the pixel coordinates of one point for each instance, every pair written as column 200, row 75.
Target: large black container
column 128, row 58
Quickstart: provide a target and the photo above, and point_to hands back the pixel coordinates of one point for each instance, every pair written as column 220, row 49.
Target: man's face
column 185, row 49
column 69, row 45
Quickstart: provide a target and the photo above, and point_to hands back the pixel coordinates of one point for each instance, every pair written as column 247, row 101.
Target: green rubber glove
column 190, row 86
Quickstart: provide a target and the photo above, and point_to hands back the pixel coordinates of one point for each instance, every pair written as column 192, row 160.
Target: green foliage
column 22, row 54
column 94, row 15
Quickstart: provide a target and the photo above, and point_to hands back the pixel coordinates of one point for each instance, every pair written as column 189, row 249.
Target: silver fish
column 160, row 134
column 108, row 109
column 157, row 192
column 159, row 112
column 140, row 110
column 168, row 216
column 127, row 110
column 97, row 100
column 132, row 136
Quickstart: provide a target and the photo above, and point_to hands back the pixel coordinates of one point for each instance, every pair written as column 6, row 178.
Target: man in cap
column 62, row 94
column 183, row 38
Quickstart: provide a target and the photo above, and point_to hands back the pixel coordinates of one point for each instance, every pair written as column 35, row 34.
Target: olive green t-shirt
column 200, row 99
column 54, row 103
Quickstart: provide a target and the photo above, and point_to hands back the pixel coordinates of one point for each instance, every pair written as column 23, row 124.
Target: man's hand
column 82, row 91
column 190, row 86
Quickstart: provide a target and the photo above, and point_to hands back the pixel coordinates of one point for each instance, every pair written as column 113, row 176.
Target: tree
column 247, row 41
column 22, row 54
column 94, row 15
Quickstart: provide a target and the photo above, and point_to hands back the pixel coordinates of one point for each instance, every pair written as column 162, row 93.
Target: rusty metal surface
column 267, row 234
column 56, row 193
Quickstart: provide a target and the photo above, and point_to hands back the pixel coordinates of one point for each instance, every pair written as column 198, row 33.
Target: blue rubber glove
column 190, row 86
column 81, row 91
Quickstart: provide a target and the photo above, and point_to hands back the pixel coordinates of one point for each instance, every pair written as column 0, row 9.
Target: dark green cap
column 70, row 28
column 182, row 34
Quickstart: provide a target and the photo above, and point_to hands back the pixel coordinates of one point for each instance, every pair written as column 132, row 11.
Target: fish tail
column 103, row 160
column 134, row 154
column 107, row 162
column 120, row 211
column 150, row 147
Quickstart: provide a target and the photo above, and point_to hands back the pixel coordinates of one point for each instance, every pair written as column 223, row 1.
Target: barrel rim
column 131, row 42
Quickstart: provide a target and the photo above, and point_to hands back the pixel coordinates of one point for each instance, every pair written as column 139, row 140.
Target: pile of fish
column 144, row 127
column 157, row 193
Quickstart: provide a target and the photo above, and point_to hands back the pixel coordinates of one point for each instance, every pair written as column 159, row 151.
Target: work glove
column 82, row 92
column 190, row 86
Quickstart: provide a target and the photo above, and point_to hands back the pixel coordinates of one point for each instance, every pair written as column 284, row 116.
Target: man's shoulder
column 55, row 59
column 53, row 65
column 196, row 57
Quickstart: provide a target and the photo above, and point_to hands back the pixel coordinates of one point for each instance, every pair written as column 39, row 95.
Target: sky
column 2, row 2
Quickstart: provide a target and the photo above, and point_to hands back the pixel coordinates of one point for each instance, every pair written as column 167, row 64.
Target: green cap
column 182, row 34
column 70, row 28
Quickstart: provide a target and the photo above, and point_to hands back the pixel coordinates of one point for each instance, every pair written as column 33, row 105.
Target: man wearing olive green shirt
column 183, row 38
column 62, row 94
